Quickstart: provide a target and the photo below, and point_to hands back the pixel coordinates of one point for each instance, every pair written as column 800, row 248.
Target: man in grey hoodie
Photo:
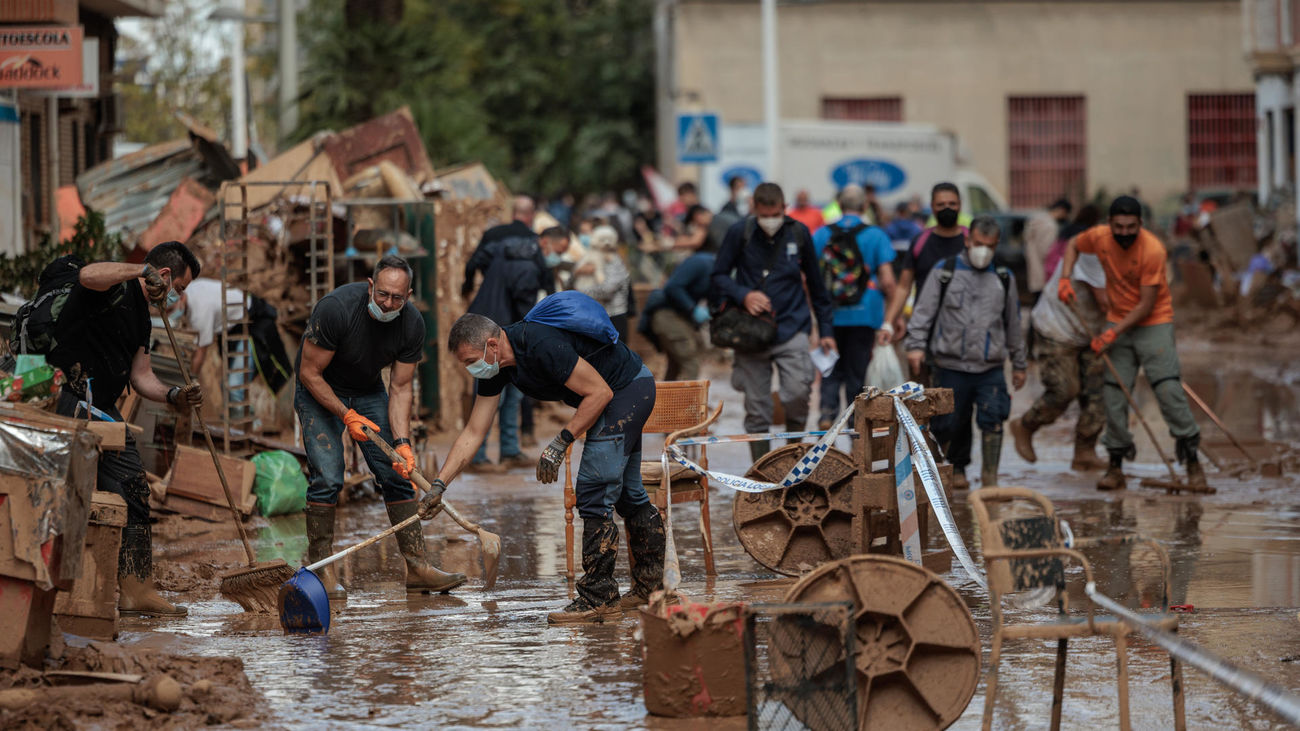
column 968, row 326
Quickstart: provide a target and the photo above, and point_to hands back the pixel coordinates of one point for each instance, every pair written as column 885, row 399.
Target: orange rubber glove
column 354, row 421
column 1103, row 341
column 1065, row 290
column 407, row 464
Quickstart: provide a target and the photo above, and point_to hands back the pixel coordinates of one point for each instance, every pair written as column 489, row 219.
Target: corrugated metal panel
column 868, row 109
column 1049, row 144
column 131, row 191
column 1221, row 141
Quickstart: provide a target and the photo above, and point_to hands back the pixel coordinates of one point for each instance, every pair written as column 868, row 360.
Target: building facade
column 1271, row 32
column 1050, row 98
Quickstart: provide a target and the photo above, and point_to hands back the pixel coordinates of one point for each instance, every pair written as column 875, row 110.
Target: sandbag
column 280, row 486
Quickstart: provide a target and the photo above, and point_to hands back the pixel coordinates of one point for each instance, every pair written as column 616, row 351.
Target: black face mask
column 947, row 217
column 1125, row 240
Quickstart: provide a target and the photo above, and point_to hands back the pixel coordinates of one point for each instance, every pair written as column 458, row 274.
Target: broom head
column 256, row 588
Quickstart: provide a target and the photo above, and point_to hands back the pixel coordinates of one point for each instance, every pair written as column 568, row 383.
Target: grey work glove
column 188, row 397
column 548, row 465
column 154, row 284
column 431, row 503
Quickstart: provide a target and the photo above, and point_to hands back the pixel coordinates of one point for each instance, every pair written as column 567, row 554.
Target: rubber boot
column 758, row 449
column 959, row 481
column 320, row 544
column 597, row 591
column 991, row 451
column 646, row 543
column 1185, row 449
column 1023, row 435
column 421, row 576
column 1085, row 456
column 1114, row 477
column 138, row 597
column 792, row 426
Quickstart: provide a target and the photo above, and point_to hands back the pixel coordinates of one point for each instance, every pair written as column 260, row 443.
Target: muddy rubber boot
column 1024, row 438
column 646, row 543
column 597, row 591
column 1114, row 477
column 758, row 449
column 959, row 481
column 991, row 452
column 138, row 597
column 421, row 576
column 1185, row 449
column 1085, row 456
column 320, row 544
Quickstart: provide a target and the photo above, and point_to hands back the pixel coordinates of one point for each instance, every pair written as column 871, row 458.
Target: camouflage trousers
column 1069, row 374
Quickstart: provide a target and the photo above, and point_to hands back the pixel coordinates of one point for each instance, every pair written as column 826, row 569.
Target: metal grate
column 1048, row 149
column 1221, row 141
column 868, row 109
column 799, row 666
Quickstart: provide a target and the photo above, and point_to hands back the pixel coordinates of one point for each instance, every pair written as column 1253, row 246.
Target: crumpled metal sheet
column 48, row 474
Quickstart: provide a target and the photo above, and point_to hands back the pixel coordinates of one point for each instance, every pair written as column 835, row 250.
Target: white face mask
column 771, row 225
column 980, row 256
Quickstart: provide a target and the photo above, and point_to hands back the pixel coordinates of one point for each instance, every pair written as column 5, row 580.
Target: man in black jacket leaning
column 764, row 272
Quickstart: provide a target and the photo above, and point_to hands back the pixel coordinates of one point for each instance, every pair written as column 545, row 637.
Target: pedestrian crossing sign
column 697, row 138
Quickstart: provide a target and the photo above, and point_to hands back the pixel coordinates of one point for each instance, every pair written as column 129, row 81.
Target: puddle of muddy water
column 477, row 659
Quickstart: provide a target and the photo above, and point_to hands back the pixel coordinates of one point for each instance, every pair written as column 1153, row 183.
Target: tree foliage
column 549, row 94
column 90, row 242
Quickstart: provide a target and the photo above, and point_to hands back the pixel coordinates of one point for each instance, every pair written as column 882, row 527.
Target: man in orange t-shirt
column 1140, row 333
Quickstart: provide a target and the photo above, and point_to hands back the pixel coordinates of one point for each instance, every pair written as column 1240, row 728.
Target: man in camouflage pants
column 1069, row 369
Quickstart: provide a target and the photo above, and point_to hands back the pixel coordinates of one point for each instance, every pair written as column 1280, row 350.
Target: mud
column 488, row 659
column 215, row 691
column 693, row 661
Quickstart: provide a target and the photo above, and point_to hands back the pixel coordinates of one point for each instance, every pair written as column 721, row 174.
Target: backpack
column 945, row 278
column 925, row 236
column 575, row 312
column 847, row 275
column 33, row 330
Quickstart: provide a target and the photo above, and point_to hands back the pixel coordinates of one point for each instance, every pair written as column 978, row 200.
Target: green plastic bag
column 280, row 485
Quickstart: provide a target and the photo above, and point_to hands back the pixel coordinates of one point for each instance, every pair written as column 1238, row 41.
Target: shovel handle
column 417, row 477
column 371, row 540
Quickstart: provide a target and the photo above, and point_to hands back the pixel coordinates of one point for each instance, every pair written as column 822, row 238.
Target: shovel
column 489, row 541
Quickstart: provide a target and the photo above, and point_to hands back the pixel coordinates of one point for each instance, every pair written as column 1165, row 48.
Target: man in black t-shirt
column 354, row 333
column 103, row 346
column 613, row 394
column 946, row 239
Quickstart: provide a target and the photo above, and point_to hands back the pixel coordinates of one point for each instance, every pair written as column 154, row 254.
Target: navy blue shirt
column 740, row 265
column 688, row 285
column 545, row 357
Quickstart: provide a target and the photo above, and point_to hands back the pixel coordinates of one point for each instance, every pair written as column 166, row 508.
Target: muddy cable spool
column 916, row 648
column 795, row 529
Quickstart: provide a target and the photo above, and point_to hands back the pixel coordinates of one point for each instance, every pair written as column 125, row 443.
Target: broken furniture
column 1024, row 550
column 47, row 474
column 194, row 489
column 915, row 649
column 90, row 608
column 844, row 507
column 800, row 665
column 681, row 410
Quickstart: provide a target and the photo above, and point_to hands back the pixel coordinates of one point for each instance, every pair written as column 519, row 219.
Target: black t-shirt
column 362, row 345
column 936, row 249
column 102, row 331
column 545, row 357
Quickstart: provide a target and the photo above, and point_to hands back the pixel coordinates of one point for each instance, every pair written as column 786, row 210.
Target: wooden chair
column 681, row 410
column 1026, row 551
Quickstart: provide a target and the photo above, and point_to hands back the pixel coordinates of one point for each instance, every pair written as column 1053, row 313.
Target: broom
column 255, row 587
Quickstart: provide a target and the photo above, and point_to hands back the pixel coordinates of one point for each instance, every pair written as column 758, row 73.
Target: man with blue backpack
column 566, row 349
column 855, row 259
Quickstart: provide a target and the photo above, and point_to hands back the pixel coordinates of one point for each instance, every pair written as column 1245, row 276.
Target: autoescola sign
column 34, row 57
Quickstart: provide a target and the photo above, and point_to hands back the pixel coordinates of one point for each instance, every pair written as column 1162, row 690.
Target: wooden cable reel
column 795, row 529
column 916, row 648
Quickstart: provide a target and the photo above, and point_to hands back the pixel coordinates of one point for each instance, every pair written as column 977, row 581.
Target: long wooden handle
column 1213, row 417
column 373, row 539
column 207, row 437
column 418, row 478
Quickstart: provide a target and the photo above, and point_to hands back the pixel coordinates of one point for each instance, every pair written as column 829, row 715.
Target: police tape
column 1243, row 681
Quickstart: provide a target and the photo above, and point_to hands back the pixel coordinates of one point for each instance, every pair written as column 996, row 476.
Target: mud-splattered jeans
column 322, row 437
column 985, row 394
column 609, row 477
column 1068, row 374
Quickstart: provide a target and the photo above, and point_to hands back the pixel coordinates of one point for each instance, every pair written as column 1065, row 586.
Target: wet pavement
column 476, row 659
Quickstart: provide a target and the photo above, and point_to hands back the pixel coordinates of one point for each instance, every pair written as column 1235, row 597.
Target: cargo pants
column 1152, row 349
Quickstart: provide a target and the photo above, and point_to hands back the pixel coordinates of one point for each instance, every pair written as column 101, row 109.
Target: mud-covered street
column 488, row 659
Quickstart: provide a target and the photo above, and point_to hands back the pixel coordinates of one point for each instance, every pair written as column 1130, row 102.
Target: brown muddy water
column 476, row 659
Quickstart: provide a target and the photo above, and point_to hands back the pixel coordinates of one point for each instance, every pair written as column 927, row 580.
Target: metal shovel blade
column 304, row 606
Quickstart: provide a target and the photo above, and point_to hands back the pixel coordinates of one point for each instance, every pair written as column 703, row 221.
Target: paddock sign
column 40, row 57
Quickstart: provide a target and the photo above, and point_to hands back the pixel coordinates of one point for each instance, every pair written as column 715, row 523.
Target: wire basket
column 799, row 667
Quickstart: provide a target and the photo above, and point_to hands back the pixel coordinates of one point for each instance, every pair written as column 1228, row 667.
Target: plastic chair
column 681, row 410
column 1026, row 551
